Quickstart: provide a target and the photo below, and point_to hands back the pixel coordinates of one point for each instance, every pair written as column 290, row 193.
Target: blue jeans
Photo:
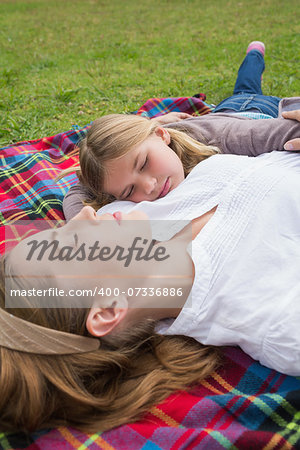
column 247, row 94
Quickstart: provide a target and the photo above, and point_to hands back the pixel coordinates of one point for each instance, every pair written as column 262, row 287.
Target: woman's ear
column 102, row 320
column 164, row 134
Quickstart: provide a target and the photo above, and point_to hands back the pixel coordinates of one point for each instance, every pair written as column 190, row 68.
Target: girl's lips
column 165, row 189
column 118, row 216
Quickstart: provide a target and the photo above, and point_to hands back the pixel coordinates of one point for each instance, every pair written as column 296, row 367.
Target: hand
column 293, row 144
column 172, row 117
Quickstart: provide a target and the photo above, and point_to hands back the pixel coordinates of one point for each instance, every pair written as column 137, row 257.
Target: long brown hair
column 95, row 391
column 112, row 136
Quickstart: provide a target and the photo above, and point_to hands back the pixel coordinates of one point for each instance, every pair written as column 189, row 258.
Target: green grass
column 68, row 62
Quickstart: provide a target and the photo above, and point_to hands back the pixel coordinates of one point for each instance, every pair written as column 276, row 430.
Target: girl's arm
column 260, row 136
column 172, row 117
column 73, row 201
column 239, row 135
column 293, row 144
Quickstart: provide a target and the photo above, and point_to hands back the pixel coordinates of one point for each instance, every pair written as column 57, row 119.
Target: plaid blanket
column 155, row 107
column 242, row 406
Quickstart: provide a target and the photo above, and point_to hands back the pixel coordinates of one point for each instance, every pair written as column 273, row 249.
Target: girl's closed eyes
column 129, row 194
column 145, row 163
column 131, row 190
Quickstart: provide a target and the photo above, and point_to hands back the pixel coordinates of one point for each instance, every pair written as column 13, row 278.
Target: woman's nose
column 87, row 213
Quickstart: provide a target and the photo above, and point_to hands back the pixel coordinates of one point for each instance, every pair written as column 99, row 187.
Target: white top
column 246, row 289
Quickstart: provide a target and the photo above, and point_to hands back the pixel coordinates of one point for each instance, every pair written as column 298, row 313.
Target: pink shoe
column 256, row 45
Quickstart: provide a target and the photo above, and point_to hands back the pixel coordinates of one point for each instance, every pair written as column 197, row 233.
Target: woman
column 53, row 371
column 241, row 287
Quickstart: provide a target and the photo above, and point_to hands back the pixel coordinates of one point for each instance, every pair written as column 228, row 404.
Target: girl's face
column 147, row 172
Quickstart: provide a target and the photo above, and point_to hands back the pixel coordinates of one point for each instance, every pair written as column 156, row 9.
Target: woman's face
column 73, row 249
column 99, row 253
column 147, row 172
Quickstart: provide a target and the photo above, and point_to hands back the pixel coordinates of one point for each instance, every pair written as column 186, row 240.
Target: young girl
column 103, row 152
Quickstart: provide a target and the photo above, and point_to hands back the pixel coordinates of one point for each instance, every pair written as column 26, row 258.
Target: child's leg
column 247, row 94
column 250, row 72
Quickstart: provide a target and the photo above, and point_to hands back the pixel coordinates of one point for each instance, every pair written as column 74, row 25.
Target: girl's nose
column 149, row 185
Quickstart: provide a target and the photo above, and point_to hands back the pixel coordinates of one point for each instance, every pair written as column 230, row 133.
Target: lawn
column 68, row 62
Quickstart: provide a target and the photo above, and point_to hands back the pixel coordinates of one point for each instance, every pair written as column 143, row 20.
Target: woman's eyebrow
column 133, row 168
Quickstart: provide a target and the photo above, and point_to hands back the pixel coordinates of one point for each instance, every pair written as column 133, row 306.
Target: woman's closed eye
column 76, row 240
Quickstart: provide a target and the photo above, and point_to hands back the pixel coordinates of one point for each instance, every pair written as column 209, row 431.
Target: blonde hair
column 112, row 136
column 95, row 391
